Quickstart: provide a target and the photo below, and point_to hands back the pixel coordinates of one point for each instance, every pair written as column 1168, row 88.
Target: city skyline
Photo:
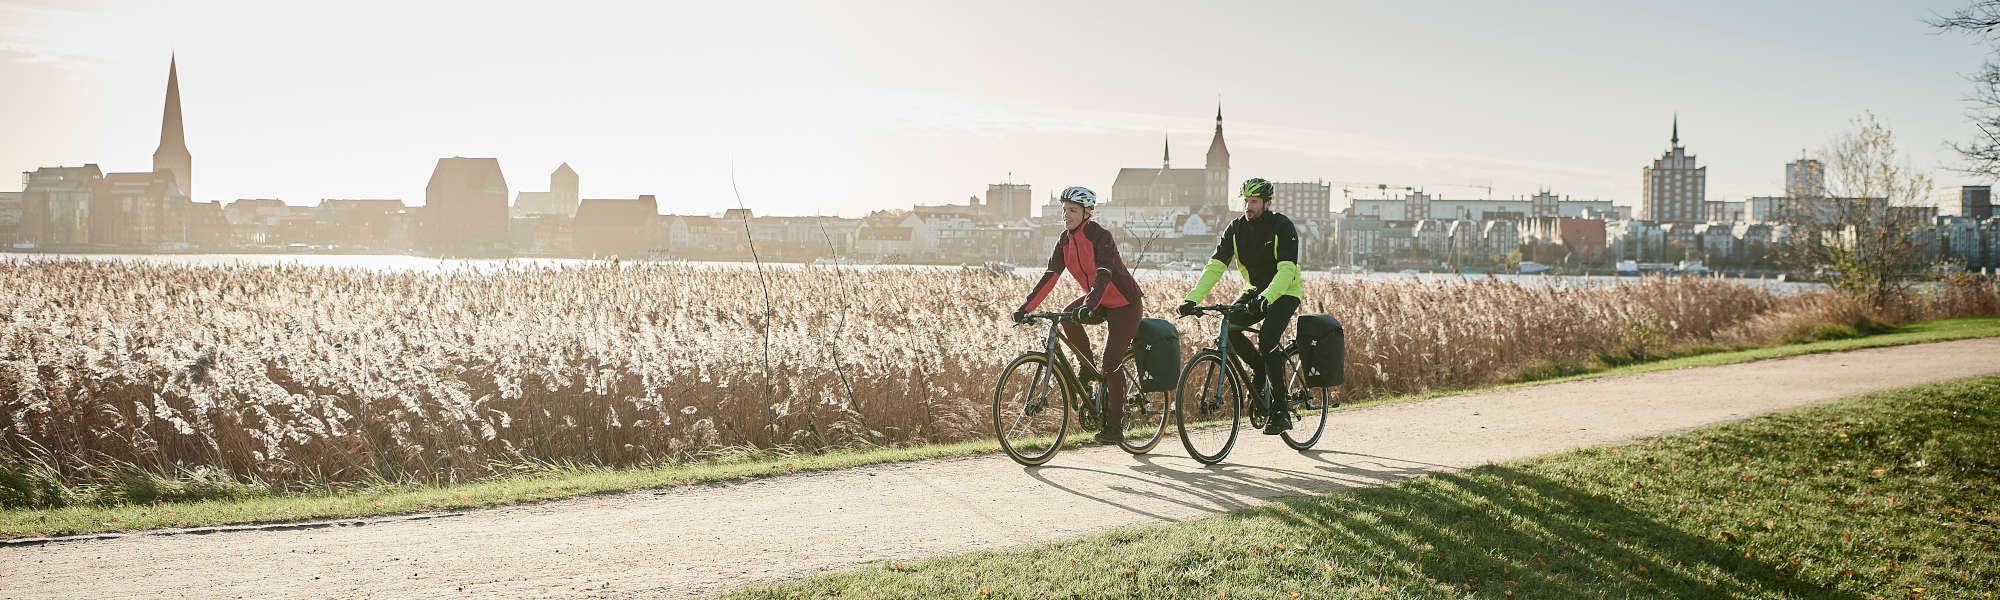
column 877, row 138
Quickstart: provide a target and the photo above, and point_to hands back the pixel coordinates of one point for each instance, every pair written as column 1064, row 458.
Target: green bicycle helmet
column 1259, row 188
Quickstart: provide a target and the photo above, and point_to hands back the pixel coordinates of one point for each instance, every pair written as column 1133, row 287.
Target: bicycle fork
column 1040, row 397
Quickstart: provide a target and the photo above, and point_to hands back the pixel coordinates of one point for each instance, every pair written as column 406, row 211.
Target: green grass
column 1891, row 495
column 256, row 504
column 390, row 499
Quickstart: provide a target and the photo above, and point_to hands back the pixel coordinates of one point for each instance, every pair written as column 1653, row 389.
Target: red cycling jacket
column 1091, row 257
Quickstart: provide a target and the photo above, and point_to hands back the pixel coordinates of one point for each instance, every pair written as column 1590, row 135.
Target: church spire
column 172, row 155
column 171, row 134
column 1166, row 153
column 1677, row 129
column 1218, row 152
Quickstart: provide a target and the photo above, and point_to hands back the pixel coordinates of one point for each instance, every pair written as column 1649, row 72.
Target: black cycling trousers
column 1266, row 363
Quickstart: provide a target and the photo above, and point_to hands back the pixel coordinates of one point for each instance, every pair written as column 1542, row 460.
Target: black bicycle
column 1209, row 401
column 1037, row 391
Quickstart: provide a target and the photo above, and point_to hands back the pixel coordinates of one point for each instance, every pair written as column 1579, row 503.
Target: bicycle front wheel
column 1308, row 405
column 1030, row 409
column 1208, row 407
column 1145, row 414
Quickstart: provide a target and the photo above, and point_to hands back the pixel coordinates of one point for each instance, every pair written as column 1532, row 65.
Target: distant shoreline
column 410, row 262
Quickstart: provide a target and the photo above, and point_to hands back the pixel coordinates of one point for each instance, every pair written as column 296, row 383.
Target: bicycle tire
column 1228, row 404
column 1042, row 377
column 1144, row 411
column 1309, row 405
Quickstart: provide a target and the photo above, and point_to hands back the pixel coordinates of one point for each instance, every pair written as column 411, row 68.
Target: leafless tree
column 1147, row 239
column 1865, row 231
column 1982, row 152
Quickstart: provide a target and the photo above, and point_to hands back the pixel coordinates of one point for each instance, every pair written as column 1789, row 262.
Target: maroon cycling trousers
column 1124, row 323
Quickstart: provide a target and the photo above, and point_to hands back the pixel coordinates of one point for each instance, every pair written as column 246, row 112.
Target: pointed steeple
column 1677, row 129
column 171, row 134
column 1166, row 153
column 172, row 154
column 1218, row 152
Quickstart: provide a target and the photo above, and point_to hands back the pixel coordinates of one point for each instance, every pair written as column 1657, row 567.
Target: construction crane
column 1347, row 187
column 1488, row 187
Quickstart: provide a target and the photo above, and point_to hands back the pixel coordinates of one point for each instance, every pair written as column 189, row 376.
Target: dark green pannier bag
column 1158, row 345
column 1322, row 350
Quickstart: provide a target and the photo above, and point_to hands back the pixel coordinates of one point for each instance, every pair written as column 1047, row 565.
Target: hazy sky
column 845, row 107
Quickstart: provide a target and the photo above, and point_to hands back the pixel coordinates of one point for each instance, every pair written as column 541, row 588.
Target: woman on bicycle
column 1087, row 251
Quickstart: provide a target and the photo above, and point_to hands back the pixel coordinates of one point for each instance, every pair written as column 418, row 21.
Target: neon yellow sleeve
column 1209, row 275
column 1283, row 282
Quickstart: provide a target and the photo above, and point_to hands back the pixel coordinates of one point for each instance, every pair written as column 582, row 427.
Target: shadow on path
column 1208, row 489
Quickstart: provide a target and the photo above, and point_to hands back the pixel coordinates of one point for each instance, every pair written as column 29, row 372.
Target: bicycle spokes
column 1209, row 406
column 1030, row 410
column 1307, row 405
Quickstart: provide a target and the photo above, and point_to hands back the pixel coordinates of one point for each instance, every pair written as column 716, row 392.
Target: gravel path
column 706, row 539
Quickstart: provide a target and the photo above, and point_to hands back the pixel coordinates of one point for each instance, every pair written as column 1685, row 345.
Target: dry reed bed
column 317, row 374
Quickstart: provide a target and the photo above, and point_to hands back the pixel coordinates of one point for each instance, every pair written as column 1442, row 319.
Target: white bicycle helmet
column 1080, row 196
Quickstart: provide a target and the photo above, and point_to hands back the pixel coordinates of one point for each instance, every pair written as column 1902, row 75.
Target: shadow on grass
column 1501, row 529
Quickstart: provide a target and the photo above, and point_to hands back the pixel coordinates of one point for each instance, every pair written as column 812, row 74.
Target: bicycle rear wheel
column 1145, row 414
column 1308, row 405
column 1030, row 409
column 1207, row 407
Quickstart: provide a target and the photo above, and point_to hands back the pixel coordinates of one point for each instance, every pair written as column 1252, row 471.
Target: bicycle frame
column 1053, row 347
column 1221, row 346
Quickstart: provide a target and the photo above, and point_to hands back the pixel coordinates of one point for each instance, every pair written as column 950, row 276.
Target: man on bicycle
column 1087, row 251
column 1265, row 246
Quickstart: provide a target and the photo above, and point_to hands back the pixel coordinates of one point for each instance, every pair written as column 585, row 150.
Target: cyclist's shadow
column 1210, row 490
column 1389, row 470
column 1201, row 500
column 1284, row 483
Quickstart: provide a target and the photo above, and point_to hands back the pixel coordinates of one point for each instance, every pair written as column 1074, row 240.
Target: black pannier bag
column 1322, row 350
column 1158, row 345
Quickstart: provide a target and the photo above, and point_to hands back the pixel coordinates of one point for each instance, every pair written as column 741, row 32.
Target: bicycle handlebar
column 1050, row 316
column 1223, row 308
column 1226, row 310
